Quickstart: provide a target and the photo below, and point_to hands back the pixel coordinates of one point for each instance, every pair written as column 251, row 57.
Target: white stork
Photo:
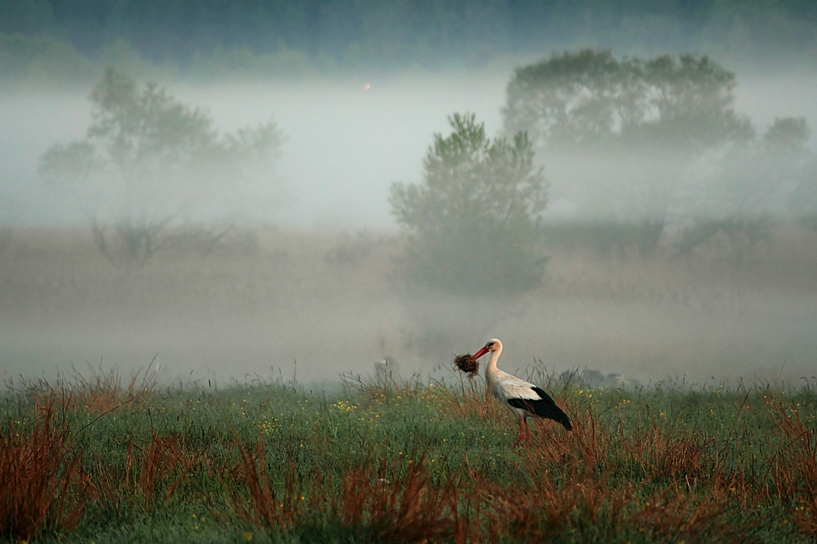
column 524, row 399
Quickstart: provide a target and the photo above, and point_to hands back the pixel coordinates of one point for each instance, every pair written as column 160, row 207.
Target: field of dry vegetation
column 100, row 458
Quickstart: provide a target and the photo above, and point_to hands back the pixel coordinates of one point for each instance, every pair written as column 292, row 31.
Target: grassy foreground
column 423, row 461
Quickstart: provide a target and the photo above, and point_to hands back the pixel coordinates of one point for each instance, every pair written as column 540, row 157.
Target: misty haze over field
column 305, row 273
column 345, row 143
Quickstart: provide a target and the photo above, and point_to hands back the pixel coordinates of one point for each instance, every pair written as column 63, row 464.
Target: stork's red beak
column 481, row 352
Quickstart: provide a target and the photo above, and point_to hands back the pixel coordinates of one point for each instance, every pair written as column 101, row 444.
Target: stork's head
column 492, row 345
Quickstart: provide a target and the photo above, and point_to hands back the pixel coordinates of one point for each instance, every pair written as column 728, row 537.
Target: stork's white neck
column 491, row 368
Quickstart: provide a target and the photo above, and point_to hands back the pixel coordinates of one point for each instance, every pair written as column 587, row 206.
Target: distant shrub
column 737, row 236
column 473, row 226
column 604, row 237
column 351, row 250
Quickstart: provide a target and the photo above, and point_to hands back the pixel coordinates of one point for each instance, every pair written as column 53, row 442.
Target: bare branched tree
column 147, row 161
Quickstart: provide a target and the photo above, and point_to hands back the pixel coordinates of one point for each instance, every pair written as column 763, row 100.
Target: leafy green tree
column 687, row 104
column 473, row 226
column 568, row 99
column 589, row 98
column 149, row 161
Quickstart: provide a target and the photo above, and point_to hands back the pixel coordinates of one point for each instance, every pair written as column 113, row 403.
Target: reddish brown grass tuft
column 794, row 467
column 163, row 465
column 681, row 457
column 100, row 393
column 103, row 390
column 572, row 480
column 379, row 499
column 263, row 507
column 677, row 514
column 399, row 507
column 41, row 475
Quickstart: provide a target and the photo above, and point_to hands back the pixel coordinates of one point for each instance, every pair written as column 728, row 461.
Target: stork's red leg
column 521, row 434
column 527, row 430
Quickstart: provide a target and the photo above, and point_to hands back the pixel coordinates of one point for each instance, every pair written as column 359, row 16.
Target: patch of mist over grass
column 249, row 303
column 313, row 305
column 332, row 301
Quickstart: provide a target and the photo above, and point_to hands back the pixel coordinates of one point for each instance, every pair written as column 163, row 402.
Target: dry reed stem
column 103, row 391
column 100, row 393
column 584, row 448
column 794, row 467
column 672, row 514
column 41, row 475
column 398, row 507
column 581, row 462
column 264, row 508
column 164, row 464
column 470, row 402
column 165, row 457
column 534, row 510
column 379, row 499
column 544, row 507
column 683, row 457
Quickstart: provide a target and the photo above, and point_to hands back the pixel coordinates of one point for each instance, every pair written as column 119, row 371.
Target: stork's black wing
column 542, row 407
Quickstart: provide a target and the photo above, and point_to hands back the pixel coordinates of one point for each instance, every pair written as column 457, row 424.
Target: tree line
column 638, row 143
column 401, row 32
column 634, row 145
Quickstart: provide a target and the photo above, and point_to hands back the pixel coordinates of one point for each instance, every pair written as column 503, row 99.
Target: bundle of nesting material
column 467, row 363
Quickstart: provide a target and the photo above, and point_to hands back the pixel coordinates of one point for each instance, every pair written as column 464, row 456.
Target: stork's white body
column 506, row 386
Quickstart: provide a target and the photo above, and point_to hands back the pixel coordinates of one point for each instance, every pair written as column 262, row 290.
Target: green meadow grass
column 421, row 461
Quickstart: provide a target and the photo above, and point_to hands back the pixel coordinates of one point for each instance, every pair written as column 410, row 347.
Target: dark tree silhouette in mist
column 630, row 128
column 589, row 98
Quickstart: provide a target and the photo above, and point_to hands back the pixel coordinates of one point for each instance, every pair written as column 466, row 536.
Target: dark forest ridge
column 391, row 34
